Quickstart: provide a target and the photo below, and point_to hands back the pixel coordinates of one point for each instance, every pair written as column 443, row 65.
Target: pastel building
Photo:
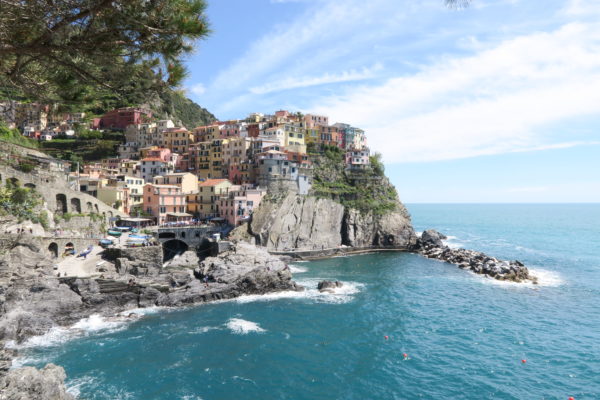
column 312, row 120
column 165, row 203
column 209, row 194
column 239, row 203
column 188, row 182
column 357, row 158
column 153, row 166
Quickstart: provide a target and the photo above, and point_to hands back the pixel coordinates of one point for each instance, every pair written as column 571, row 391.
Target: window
column 149, row 200
column 163, row 210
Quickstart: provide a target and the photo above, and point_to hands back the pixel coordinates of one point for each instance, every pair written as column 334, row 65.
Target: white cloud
column 198, row 89
column 498, row 100
column 327, row 78
column 582, row 7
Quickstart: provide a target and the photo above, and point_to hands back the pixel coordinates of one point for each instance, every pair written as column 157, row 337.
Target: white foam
column 545, row 279
column 74, row 386
column 297, row 270
column 91, row 325
column 453, row 242
column 242, row 327
column 340, row 295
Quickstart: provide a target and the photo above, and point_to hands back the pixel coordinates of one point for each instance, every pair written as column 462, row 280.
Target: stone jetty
column 431, row 245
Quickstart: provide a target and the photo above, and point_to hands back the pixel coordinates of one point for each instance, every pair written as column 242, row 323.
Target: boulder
column 30, row 383
column 329, row 286
column 433, row 238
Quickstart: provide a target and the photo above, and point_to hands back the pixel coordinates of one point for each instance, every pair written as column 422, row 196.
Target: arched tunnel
column 171, row 248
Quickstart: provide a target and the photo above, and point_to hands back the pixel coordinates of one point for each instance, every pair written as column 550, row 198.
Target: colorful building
column 165, row 203
column 208, row 196
column 239, row 203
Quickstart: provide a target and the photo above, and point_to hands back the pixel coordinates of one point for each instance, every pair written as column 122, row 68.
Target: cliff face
column 362, row 211
column 298, row 223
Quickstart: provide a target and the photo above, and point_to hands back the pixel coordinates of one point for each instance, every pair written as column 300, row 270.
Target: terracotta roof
column 212, row 182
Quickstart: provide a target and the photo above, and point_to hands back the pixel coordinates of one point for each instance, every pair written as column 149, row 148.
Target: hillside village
column 167, row 174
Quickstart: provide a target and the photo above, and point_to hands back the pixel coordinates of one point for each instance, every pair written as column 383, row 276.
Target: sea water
column 464, row 336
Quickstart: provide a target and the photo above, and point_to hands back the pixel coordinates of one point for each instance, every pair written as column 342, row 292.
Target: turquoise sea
column 465, row 336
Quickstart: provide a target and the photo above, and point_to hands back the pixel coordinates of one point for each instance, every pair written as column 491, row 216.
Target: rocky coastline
column 33, row 300
column 431, row 245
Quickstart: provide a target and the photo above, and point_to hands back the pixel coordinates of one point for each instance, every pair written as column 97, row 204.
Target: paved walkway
column 78, row 266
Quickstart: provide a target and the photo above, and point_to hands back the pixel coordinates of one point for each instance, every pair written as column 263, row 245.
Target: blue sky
column 498, row 102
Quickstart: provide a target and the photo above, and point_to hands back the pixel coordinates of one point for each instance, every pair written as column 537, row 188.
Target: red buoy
column 571, row 398
column 523, row 361
column 386, row 337
column 405, row 355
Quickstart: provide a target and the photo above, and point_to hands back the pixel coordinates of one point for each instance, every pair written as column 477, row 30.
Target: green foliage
column 365, row 190
column 26, row 167
column 14, row 136
column 79, row 51
column 377, row 164
column 83, row 149
column 21, row 203
column 173, row 104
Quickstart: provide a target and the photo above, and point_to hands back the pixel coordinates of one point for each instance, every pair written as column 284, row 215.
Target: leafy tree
column 77, row 51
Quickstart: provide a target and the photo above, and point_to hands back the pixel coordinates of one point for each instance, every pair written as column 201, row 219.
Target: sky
column 496, row 102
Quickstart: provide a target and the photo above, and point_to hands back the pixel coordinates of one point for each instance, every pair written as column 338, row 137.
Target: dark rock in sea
column 430, row 245
column 329, row 286
column 432, row 238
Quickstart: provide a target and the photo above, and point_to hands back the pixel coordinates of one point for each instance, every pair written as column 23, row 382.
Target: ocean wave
column 340, row 295
column 242, row 327
column 545, row 278
column 74, row 386
column 297, row 270
column 203, row 329
column 93, row 324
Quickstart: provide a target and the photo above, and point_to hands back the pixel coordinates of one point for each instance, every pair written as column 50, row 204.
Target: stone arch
column 61, row 203
column 30, row 185
column 182, row 234
column 53, row 249
column 90, row 207
column 173, row 247
column 75, row 205
column 166, row 235
column 197, row 234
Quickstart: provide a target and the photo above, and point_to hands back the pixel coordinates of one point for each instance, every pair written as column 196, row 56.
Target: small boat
column 123, row 228
column 114, row 232
column 104, row 243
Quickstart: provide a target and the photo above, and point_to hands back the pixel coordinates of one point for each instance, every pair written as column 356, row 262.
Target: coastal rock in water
column 30, row 383
column 329, row 286
column 432, row 238
column 244, row 269
column 430, row 245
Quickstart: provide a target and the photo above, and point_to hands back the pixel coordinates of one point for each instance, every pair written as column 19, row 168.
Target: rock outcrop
column 33, row 300
column 430, row 245
column 30, row 383
column 307, row 223
column 329, row 286
column 298, row 223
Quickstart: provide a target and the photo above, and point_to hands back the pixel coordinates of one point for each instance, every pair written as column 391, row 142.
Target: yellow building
column 208, row 196
column 207, row 133
column 199, row 159
column 216, row 159
column 177, row 139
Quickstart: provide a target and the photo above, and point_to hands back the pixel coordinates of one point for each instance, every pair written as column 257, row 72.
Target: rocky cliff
column 358, row 209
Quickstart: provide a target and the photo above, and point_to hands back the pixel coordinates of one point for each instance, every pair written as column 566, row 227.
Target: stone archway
column 61, row 203
column 174, row 247
column 166, row 235
column 75, row 205
column 53, row 249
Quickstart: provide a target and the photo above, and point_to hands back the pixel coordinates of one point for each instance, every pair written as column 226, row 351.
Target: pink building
column 165, row 202
column 312, row 120
column 160, row 152
column 239, row 203
column 357, row 158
